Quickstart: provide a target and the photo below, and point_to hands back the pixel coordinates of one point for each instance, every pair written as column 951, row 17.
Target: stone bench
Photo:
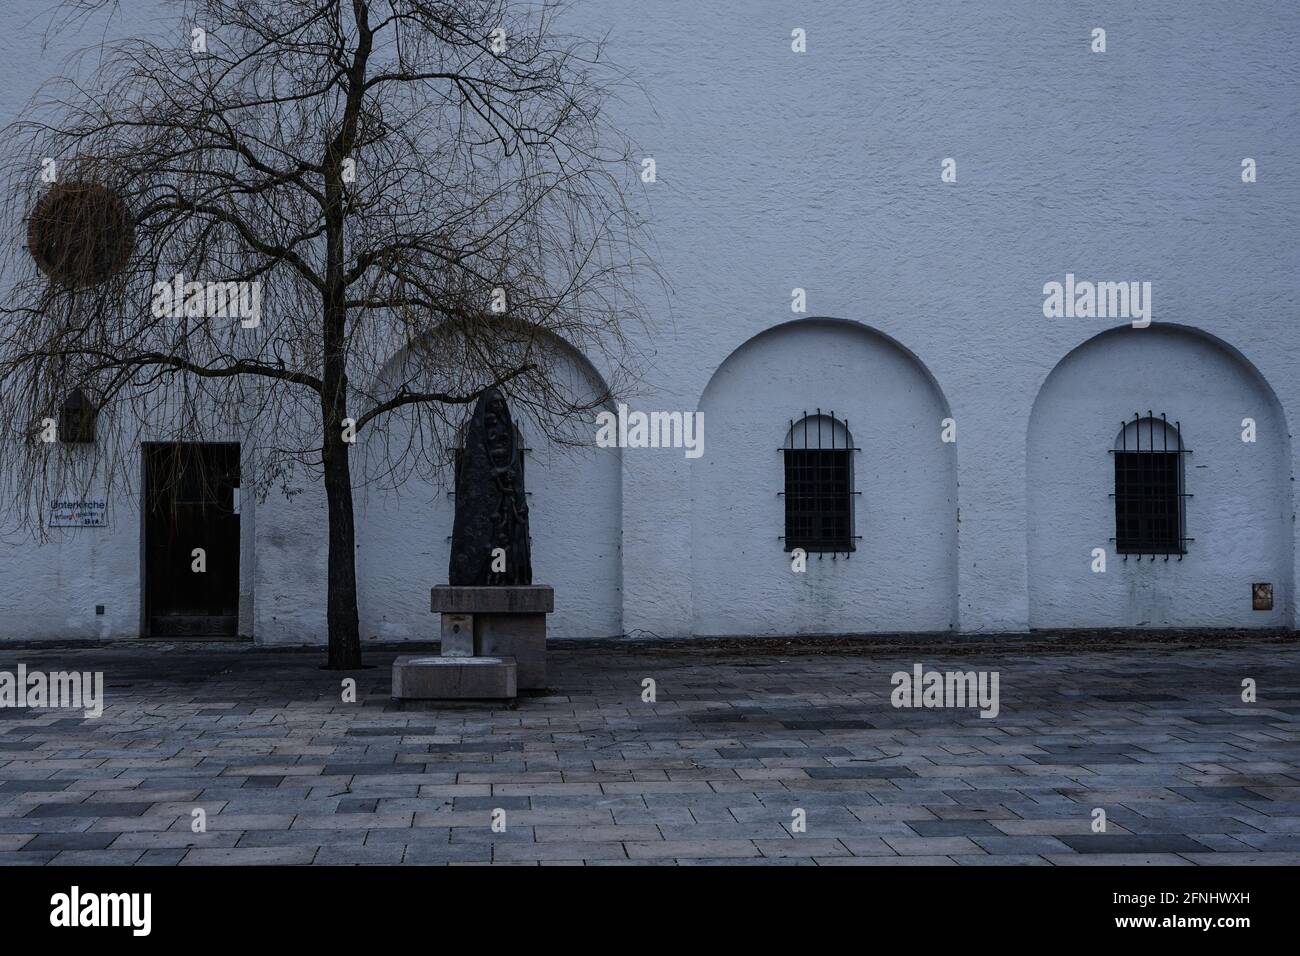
column 427, row 678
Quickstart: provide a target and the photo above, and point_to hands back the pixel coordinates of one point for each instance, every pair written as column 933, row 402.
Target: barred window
column 819, row 493
column 77, row 419
column 1150, row 517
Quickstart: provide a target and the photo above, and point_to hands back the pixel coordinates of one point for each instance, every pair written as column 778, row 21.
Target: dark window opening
column 1150, row 517
column 819, row 485
column 77, row 419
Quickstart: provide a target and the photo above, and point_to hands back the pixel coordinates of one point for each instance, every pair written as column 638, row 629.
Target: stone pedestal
column 498, row 621
column 457, row 635
column 454, row 678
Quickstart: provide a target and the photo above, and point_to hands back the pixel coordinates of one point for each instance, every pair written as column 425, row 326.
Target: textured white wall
column 575, row 513
column 1238, row 514
column 821, row 171
column 49, row 591
column 903, row 575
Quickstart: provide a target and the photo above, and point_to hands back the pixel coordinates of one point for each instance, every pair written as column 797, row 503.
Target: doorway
column 191, row 539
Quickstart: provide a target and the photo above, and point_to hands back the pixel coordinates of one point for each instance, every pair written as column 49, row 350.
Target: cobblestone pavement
column 1157, row 736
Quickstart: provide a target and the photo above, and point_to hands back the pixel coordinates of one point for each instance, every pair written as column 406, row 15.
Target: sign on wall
column 88, row 513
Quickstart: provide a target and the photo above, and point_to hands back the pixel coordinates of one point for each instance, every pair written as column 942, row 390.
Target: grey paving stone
column 1270, row 842
column 1127, row 859
column 1011, row 846
column 1244, row 859
column 932, row 846
column 30, row 786
column 1002, row 859
column 589, row 774
column 692, row 849
column 96, row 857
column 320, row 838
column 69, row 841
column 801, row 847
column 413, row 836
column 359, row 855
column 597, row 834
column 427, row 854
column 865, row 772
column 176, row 839
column 1110, row 843
column 28, row 858
column 359, row 805
column 886, row 861
column 161, row 857
column 942, row 828
column 89, row 809
column 249, row 856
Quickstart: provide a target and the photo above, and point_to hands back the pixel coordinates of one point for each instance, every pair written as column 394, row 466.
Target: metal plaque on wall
column 89, row 513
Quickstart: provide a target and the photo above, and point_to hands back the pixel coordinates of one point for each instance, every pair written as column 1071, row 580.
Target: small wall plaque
column 1262, row 597
column 89, row 513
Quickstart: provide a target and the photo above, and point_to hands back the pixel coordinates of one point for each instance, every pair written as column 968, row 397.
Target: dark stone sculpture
column 491, row 508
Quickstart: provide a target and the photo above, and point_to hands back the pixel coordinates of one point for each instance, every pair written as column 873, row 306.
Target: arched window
column 77, row 419
column 1150, row 517
column 818, row 454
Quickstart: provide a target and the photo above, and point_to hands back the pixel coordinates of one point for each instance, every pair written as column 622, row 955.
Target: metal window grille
column 1150, row 511
column 819, row 486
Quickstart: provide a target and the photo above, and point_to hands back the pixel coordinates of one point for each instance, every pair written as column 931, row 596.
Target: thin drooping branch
column 345, row 216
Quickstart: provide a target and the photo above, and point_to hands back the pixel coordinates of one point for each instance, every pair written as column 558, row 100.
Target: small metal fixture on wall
column 1261, row 597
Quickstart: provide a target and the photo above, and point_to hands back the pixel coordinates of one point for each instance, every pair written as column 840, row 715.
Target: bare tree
column 434, row 181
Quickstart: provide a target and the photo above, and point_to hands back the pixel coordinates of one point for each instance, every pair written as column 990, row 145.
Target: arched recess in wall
column 575, row 518
column 902, row 573
column 1238, row 513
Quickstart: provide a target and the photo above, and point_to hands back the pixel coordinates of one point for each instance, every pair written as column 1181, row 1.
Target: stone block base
column 499, row 621
column 521, row 636
column 493, row 599
column 458, row 635
column 454, row 678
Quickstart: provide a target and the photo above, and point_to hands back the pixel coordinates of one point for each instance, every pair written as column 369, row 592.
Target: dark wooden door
column 190, row 491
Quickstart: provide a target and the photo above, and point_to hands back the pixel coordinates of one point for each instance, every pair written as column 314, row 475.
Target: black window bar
column 819, row 489
column 1150, row 500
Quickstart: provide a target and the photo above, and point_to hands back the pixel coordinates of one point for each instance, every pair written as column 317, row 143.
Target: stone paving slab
column 746, row 757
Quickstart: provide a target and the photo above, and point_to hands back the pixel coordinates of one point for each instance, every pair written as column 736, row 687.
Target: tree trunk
column 341, row 615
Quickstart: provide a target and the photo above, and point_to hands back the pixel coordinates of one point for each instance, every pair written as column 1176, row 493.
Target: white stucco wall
column 1237, row 514
column 903, row 574
column 50, row 591
column 821, row 171
column 575, row 513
